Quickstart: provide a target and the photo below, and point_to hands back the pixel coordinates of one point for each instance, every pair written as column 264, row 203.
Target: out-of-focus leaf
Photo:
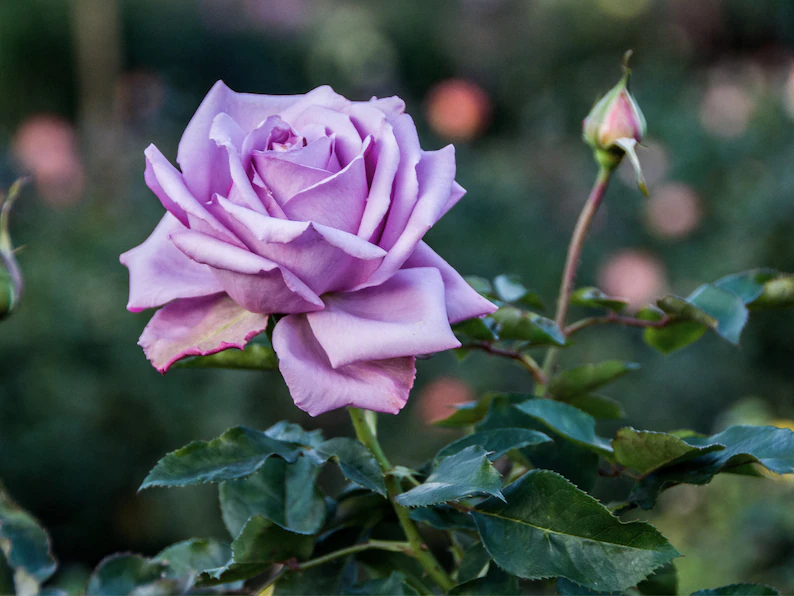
column 769, row 446
column 24, row 544
column 284, row 493
column 253, row 357
column 259, row 544
column 747, row 285
column 497, row 442
column 332, row 578
column 495, row 582
column 474, row 563
column 480, row 285
column 646, row 451
column 739, row 590
column 567, row 421
column 475, row 329
column 662, row 582
column 777, row 293
column 465, row 474
column 186, row 560
column 515, row 324
column 509, row 288
column 394, row 585
column 595, row 298
column 443, row 517
column 356, row 462
column 711, row 306
column 237, row 453
column 587, row 378
column 125, row 574
column 549, row 528
column 469, row 413
column 598, row 406
column 673, row 336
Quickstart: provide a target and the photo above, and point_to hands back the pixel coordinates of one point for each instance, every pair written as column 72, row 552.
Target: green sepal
column 595, row 298
column 459, row 476
column 549, row 528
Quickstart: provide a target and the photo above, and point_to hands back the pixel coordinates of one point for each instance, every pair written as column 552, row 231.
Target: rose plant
column 293, row 240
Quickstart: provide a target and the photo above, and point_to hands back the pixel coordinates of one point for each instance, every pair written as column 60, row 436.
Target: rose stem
column 572, row 262
column 419, row 550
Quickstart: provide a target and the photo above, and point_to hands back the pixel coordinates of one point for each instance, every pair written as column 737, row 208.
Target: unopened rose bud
column 10, row 275
column 615, row 125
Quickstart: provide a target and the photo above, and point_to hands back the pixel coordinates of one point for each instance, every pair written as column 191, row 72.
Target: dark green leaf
column 185, row 560
column 515, row 324
column 598, row 406
column 356, row 462
column 474, row 563
column 332, row 578
column 567, row 421
column 123, row 574
column 747, row 285
column 578, row 464
column 585, row 379
column 714, row 307
column 566, row 587
column 237, row 453
column 281, row 492
column 253, row 357
column 550, row 528
column 7, row 574
column 769, row 446
column 459, row 476
column 475, row 329
column 393, row 585
column 646, row 451
column 595, row 298
column 259, row 544
column 443, row 517
column 289, row 432
column 24, row 543
column 739, row 590
column 497, row 441
column 662, row 582
column 495, row 582
column 510, row 289
column 468, row 413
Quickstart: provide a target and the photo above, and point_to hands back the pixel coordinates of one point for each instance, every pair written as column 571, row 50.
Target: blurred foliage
column 82, row 414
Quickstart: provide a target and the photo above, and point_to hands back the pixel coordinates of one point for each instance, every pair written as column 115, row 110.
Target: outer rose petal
column 404, row 316
column 255, row 283
column 379, row 385
column 159, row 272
column 197, row 327
column 461, row 299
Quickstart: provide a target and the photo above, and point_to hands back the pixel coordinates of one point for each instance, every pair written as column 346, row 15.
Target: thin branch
column 524, row 360
column 613, row 318
column 389, row 545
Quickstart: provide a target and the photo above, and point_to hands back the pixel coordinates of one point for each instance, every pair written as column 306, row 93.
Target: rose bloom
column 311, row 208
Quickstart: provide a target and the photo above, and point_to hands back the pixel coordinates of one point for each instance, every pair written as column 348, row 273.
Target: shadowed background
column 86, row 85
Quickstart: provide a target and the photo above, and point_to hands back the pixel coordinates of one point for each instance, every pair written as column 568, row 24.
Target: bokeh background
column 86, row 85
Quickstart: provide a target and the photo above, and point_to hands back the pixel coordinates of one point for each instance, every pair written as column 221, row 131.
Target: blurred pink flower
column 458, row 109
column 437, row 398
column 673, row 211
column 636, row 276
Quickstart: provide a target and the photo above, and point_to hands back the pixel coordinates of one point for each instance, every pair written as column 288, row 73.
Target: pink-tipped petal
column 203, row 163
column 159, row 272
column 325, row 259
column 338, row 201
column 405, row 316
column 379, row 385
column 198, row 327
column 461, row 299
column 255, row 283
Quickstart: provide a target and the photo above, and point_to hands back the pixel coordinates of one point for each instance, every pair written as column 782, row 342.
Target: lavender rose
column 312, row 207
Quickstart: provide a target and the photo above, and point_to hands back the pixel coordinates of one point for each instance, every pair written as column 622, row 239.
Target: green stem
column 524, row 360
column 390, row 545
column 417, row 549
column 614, row 319
column 572, row 262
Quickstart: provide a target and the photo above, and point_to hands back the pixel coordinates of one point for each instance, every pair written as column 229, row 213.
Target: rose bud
column 10, row 276
column 615, row 125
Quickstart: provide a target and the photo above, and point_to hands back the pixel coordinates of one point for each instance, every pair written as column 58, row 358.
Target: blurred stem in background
column 572, row 261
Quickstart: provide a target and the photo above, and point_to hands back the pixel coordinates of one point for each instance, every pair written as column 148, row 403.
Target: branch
column 613, row 318
column 524, row 360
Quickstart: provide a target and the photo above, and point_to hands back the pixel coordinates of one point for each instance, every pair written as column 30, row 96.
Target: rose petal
column 338, row 201
column 404, row 316
column 203, row 163
column 159, row 272
column 255, row 283
column 392, row 106
column 379, row 385
column 348, row 141
column 315, row 154
column 435, row 173
column 462, row 301
column 406, row 183
column 382, row 162
column 284, row 178
column 197, row 327
column 325, row 259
